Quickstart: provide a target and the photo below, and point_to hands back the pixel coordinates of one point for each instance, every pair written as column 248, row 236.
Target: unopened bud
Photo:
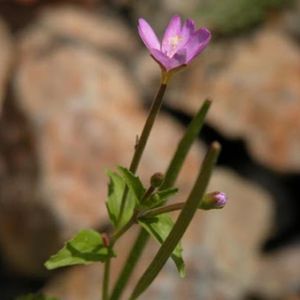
column 156, row 180
column 214, row 200
column 105, row 239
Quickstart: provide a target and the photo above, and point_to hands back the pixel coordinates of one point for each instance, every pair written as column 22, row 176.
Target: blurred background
column 75, row 85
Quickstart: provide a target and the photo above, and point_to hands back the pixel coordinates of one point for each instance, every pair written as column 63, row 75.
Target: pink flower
column 180, row 43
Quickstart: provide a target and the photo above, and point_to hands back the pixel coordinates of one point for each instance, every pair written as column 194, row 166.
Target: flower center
column 173, row 43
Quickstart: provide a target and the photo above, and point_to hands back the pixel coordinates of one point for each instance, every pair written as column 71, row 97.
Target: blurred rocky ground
column 75, row 84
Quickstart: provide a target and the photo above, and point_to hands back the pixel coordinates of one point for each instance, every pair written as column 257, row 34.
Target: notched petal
column 197, row 43
column 203, row 35
column 188, row 28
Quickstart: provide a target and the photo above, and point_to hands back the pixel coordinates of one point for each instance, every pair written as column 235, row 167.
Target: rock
column 61, row 26
column 75, row 114
column 221, row 251
column 256, row 92
column 279, row 274
column 6, row 59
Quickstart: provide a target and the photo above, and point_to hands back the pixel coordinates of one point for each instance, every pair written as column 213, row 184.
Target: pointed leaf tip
column 86, row 247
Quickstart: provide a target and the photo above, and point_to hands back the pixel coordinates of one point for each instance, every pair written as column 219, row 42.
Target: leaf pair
column 158, row 227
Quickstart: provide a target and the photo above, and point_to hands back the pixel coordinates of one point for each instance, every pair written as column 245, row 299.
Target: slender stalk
column 162, row 210
column 181, row 224
column 105, row 284
column 113, row 239
column 170, row 178
column 142, row 141
column 130, row 264
column 139, row 149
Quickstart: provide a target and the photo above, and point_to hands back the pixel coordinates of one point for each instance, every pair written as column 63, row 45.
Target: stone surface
column 221, row 251
column 59, row 26
column 279, row 274
column 6, row 59
column 73, row 113
column 255, row 85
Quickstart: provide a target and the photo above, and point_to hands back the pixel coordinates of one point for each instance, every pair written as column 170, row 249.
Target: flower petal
column 188, row 29
column 148, row 35
column 180, row 58
column 197, row 43
column 166, row 62
column 173, row 29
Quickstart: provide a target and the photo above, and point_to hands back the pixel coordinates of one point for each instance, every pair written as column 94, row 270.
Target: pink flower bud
column 214, row 200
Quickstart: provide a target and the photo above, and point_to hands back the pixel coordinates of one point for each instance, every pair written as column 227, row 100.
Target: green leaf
column 36, row 297
column 116, row 189
column 159, row 228
column 160, row 197
column 85, row 248
column 134, row 184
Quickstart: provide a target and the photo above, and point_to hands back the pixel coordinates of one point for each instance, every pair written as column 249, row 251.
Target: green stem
column 113, row 239
column 162, row 210
column 131, row 262
column 139, row 149
column 106, row 276
column 142, row 141
column 181, row 224
column 170, row 177
column 209, row 201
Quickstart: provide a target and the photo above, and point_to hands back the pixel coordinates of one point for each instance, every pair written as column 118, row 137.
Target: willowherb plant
column 130, row 201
